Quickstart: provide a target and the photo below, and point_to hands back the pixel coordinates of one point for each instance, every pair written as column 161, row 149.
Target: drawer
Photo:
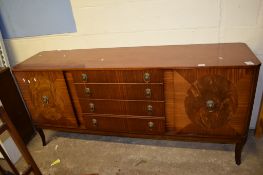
column 120, row 91
column 118, row 76
column 146, row 125
column 118, row 107
column 106, row 123
column 102, row 106
column 145, row 108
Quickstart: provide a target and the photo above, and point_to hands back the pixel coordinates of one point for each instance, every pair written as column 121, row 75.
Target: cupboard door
column 209, row 102
column 47, row 99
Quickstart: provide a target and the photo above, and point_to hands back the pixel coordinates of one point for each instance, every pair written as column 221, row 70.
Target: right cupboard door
column 208, row 101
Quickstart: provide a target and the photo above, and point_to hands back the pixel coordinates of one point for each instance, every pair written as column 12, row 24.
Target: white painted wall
column 119, row 23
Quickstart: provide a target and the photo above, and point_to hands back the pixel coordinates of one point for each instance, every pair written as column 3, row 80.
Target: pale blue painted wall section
column 24, row 18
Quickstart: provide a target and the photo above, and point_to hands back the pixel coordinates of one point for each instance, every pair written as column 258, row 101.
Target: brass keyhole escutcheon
column 210, row 105
column 45, row 99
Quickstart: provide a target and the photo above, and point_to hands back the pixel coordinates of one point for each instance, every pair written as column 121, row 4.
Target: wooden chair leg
column 12, row 166
column 19, row 143
column 5, row 172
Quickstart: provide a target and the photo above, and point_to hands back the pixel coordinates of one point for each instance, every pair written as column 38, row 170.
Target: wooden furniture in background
column 10, row 127
column 190, row 92
column 14, row 105
column 259, row 126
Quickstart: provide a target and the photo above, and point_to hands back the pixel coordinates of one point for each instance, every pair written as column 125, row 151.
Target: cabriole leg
column 238, row 150
column 42, row 135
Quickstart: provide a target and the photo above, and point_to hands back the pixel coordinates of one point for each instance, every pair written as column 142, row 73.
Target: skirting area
column 82, row 154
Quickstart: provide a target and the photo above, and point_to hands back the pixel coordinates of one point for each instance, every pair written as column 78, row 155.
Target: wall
column 119, row 23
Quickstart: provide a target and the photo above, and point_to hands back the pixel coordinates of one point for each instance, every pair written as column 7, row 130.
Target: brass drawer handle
column 150, row 125
column 149, row 109
column 84, row 77
column 147, row 77
column 87, row 91
column 210, row 105
column 148, row 93
column 94, row 122
column 91, row 107
column 45, row 99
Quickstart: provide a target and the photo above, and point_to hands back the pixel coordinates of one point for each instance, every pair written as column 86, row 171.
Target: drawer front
column 118, row 76
column 146, row 125
column 106, row 123
column 140, row 108
column 120, row 91
column 144, row 108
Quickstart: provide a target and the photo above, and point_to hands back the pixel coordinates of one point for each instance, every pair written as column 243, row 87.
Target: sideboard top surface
column 171, row 56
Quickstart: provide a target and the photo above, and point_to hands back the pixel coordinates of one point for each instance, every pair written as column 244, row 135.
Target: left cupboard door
column 47, row 98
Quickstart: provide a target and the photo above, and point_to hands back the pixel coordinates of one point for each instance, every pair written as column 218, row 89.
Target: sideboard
column 201, row 92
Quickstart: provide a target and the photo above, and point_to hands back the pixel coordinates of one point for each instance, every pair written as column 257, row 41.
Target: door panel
column 47, row 99
column 209, row 102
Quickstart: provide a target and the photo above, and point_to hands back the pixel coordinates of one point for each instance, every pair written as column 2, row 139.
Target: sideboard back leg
column 238, row 150
column 42, row 135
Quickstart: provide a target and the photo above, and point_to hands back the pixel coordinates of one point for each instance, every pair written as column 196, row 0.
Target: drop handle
column 210, row 105
column 94, row 122
column 87, row 91
column 150, row 125
column 91, row 107
column 147, row 77
column 45, row 99
column 84, row 77
column 148, row 93
column 149, row 109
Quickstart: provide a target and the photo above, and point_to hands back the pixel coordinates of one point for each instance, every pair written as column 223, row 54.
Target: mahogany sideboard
column 201, row 92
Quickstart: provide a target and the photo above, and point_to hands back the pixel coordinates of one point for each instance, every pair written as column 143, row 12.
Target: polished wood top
column 171, row 56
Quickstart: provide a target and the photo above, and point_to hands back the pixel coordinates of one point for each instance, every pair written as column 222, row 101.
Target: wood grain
column 106, row 123
column 120, row 107
column 259, row 126
column 178, row 83
column 120, row 91
column 208, row 103
column 141, row 125
column 173, row 56
column 34, row 86
column 10, row 98
column 75, row 99
column 118, row 76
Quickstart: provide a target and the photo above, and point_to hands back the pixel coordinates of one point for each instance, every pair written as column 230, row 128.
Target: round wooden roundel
column 211, row 101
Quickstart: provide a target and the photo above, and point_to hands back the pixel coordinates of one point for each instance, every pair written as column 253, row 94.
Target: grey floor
column 81, row 154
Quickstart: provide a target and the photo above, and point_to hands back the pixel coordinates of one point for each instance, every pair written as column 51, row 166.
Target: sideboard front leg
column 42, row 135
column 238, row 150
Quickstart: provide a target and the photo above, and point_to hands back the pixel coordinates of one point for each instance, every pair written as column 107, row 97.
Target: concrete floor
column 82, row 154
